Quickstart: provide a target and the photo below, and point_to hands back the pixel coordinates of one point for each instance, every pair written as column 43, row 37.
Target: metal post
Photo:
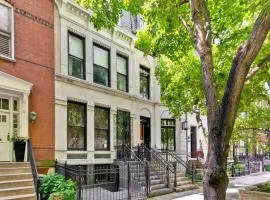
column 80, row 183
column 175, row 174
column 193, row 173
column 65, row 170
column 147, row 174
column 168, row 176
column 232, row 170
column 166, row 153
column 129, row 182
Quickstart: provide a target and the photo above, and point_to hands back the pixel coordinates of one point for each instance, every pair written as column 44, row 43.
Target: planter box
column 253, row 195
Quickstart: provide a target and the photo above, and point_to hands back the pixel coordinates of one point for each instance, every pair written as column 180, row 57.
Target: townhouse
column 27, row 76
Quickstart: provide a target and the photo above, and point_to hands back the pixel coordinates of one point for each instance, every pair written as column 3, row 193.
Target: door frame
column 146, row 121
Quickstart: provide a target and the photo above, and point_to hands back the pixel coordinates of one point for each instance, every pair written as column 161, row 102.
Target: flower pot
column 19, row 148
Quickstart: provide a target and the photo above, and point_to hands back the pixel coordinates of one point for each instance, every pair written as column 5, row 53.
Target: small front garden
column 260, row 191
column 55, row 187
column 264, row 187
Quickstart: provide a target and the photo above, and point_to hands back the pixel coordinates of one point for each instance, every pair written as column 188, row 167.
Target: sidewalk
column 232, row 192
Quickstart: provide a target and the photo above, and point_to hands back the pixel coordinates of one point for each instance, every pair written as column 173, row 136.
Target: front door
column 145, row 131
column 5, row 145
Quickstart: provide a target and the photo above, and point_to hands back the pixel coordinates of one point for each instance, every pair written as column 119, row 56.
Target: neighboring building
column 27, row 76
column 106, row 93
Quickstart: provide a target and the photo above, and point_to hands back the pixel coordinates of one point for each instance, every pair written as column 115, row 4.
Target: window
column 144, row 82
column 102, row 128
column 168, row 134
column 122, row 73
column 101, row 65
column 6, row 31
column 123, row 128
column 76, row 62
column 76, row 133
column 4, row 104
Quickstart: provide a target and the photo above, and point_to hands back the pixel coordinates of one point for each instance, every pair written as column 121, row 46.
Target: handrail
column 124, row 149
column 31, row 159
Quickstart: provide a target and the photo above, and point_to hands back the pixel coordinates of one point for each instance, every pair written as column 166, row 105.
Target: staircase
column 183, row 183
column 16, row 181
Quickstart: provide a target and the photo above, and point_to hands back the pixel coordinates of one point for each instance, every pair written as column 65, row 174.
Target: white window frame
column 12, row 57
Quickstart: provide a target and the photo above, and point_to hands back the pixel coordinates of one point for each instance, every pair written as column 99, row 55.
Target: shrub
column 264, row 187
column 56, row 185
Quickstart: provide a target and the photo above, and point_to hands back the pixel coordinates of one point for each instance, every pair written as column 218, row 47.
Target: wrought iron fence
column 244, row 168
column 111, row 182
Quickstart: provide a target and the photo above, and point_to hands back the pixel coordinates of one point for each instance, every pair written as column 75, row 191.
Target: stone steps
column 16, row 181
column 183, row 188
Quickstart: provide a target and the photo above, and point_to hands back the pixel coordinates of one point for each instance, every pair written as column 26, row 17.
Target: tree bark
column 221, row 118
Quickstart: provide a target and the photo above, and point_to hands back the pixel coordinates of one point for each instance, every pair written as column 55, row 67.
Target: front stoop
column 16, row 181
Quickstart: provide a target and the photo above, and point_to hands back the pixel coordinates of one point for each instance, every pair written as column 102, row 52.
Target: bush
column 264, row 187
column 56, row 186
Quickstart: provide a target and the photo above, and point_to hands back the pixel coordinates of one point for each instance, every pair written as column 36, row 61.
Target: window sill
column 7, row 58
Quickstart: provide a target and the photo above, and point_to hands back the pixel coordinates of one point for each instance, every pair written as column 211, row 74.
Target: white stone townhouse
column 106, row 93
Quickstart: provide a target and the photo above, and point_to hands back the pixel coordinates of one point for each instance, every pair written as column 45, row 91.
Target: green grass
column 264, row 187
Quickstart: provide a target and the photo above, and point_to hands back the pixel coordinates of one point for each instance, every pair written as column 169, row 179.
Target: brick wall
column 34, row 55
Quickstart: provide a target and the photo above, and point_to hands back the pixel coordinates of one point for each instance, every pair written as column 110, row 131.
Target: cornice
column 102, row 89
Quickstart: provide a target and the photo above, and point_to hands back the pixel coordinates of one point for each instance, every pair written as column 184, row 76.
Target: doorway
column 193, row 139
column 145, row 131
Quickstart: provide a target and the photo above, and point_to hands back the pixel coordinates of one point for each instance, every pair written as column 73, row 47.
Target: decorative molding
column 33, row 17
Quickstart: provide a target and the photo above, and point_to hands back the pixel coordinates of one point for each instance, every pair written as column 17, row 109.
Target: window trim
column 85, row 127
column 149, row 80
column 127, row 75
column 12, row 45
column 109, row 63
column 109, row 129
column 84, row 54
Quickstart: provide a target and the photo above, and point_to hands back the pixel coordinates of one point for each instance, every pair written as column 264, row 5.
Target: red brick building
column 27, row 76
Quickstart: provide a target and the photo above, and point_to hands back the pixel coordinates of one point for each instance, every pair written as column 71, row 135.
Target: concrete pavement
column 232, row 192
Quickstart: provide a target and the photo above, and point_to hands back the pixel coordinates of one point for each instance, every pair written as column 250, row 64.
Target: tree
column 209, row 53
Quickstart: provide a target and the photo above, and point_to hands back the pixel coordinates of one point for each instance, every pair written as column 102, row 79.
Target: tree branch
column 187, row 27
column 203, row 46
column 257, row 68
column 183, row 2
column 245, row 56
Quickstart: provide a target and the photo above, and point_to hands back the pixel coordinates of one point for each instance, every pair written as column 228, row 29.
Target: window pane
column 76, row 46
column 101, row 75
column 15, row 105
column 121, row 82
column 121, row 65
column 101, row 57
column 4, row 104
column 5, row 16
column 101, row 118
column 76, row 138
column 75, row 67
column 101, row 139
column 76, row 114
column 144, row 82
column 15, row 123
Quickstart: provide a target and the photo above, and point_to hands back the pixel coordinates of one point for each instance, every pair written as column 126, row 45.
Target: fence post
column 80, row 184
column 168, row 175
column 166, row 153
column 129, row 182
column 147, row 178
column 55, row 166
column 232, row 170
column 175, row 174
column 193, row 173
column 65, row 170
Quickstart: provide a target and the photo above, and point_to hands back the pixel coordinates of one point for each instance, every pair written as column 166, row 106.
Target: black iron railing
column 244, row 168
column 32, row 161
column 157, row 165
column 180, row 165
column 106, row 183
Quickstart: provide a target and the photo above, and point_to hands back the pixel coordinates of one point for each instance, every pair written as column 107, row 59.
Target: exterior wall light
column 32, row 116
column 184, row 125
